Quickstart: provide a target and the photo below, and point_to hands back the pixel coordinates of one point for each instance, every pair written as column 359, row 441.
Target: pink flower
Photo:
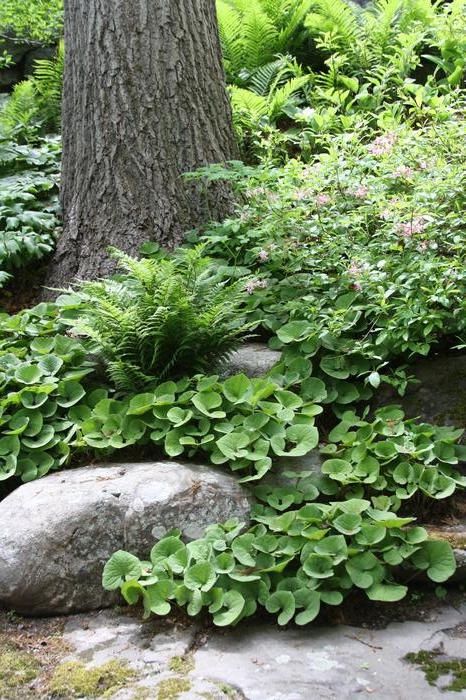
column 404, row 171
column 361, row 192
column 252, row 285
column 416, row 225
column 423, row 165
column 263, row 255
column 299, row 195
column 382, row 144
column 357, row 286
column 322, row 200
column 355, row 269
column 386, row 214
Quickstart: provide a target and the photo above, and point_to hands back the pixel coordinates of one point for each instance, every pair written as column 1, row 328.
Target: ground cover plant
column 345, row 252
column 28, row 202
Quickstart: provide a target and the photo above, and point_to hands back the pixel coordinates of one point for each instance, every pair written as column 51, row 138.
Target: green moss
column 17, row 669
column 171, row 688
column 181, row 664
column 74, row 679
column 227, row 690
column 435, row 667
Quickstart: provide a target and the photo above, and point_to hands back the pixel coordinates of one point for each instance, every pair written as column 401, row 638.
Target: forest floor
column 412, row 649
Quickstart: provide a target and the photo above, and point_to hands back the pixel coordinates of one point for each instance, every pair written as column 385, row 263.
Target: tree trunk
column 144, row 102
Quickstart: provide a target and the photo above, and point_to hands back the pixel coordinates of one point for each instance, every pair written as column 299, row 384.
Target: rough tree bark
column 144, row 102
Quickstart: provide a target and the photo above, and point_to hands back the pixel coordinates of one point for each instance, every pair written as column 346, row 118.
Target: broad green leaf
column 387, row 593
column 310, row 601
column 70, row 393
column 437, row 558
column 28, row 374
column 207, row 401
column 294, row 331
column 232, row 606
column 200, row 576
column 140, row 404
column 347, row 523
column 120, row 567
column 237, row 389
column 283, row 602
column 233, row 445
column 165, row 548
column 50, row 364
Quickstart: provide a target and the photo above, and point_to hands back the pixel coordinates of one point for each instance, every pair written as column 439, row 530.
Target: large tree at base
column 144, row 102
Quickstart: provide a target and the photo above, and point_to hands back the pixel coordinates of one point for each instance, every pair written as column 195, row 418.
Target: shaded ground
column 358, row 650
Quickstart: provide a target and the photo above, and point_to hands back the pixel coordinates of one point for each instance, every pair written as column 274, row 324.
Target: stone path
column 260, row 662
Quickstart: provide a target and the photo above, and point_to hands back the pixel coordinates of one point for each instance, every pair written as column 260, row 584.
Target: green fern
column 35, row 104
column 164, row 318
column 253, row 32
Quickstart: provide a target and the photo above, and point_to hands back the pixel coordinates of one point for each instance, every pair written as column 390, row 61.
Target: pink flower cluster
column 404, row 171
column 323, row 199
column 263, row 255
column 416, row 225
column 361, row 192
column 356, row 270
column 382, row 144
column 252, row 285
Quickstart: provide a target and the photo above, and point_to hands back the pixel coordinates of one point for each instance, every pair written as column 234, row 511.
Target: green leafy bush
column 290, row 563
column 32, row 20
column 358, row 255
column 28, row 203
column 165, row 318
column 240, row 422
column 41, row 370
column 34, row 107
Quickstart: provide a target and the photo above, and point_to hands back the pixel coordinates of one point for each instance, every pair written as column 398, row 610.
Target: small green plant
column 291, row 562
column 165, row 318
column 34, row 107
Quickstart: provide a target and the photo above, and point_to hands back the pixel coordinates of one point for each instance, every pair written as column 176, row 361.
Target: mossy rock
column 17, row 670
column 75, row 680
column 436, row 666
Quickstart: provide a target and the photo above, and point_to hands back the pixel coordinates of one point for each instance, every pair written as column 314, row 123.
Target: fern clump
column 162, row 318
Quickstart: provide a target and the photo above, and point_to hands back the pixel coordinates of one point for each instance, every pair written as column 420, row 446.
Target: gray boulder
column 253, row 359
column 440, row 395
column 58, row 532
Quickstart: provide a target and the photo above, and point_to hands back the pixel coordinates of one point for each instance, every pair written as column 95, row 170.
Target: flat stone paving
column 262, row 662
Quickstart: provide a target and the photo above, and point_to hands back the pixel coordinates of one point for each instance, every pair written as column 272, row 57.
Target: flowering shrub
column 360, row 253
